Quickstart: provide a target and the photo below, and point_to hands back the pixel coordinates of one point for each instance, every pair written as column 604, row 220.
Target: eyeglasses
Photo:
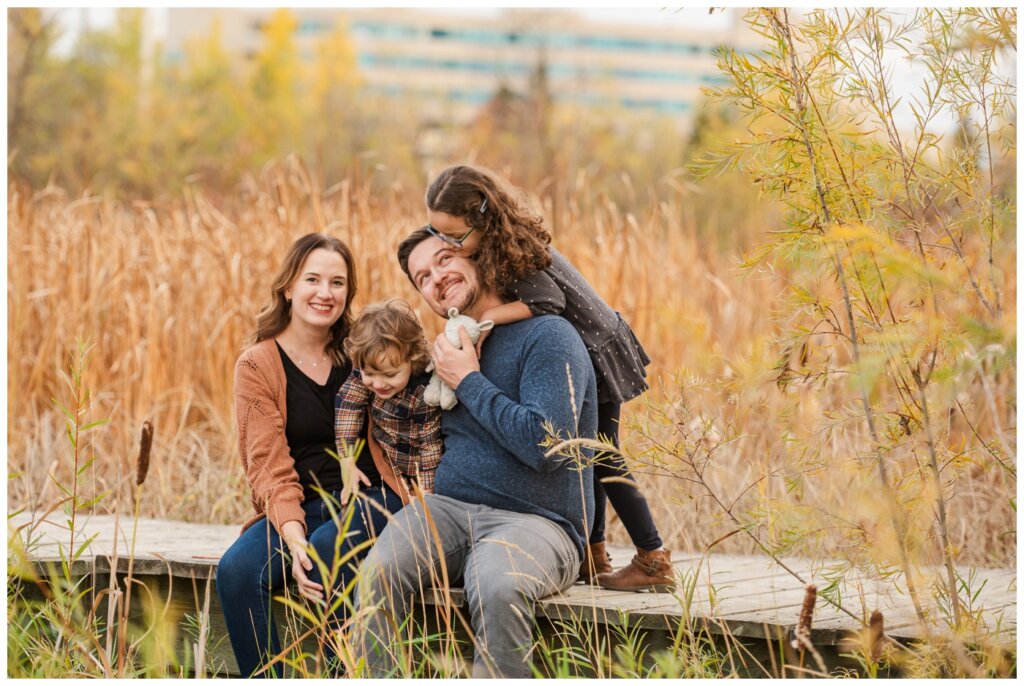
column 457, row 242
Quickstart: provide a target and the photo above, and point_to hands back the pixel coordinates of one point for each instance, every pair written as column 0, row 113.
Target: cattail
column 803, row 627
column 145, row 445
column 876, row 634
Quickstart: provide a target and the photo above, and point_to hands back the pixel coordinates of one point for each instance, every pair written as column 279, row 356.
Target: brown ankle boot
column 595, row 561
column 649, row 570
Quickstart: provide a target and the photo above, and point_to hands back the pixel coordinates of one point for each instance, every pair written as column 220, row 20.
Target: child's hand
column 351, row 476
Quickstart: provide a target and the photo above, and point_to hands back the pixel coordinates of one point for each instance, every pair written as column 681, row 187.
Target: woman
column 285, row 385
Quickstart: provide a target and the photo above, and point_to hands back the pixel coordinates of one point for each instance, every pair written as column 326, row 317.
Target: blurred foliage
column 900, row 243
column 108, row 119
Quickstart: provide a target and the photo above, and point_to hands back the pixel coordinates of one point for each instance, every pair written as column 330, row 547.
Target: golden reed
column 168, row 292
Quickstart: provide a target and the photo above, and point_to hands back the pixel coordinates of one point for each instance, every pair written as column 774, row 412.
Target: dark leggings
column 628, row 501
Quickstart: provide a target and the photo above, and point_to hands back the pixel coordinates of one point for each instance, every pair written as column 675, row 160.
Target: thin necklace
column 323, row 358
column 313, row 364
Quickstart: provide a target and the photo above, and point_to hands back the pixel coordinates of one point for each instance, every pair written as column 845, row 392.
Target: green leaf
column 93, row 425
column 86, row 465
column 59, row 485
column 89, row 503
column 65, row 411
column 298, row 607
column 84, row 545
column 757, row 256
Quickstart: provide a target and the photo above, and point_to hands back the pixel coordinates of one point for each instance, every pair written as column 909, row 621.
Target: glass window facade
column 553, row 39
column 554, row 69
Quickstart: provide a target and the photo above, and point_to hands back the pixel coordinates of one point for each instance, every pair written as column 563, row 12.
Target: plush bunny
column 438, row 393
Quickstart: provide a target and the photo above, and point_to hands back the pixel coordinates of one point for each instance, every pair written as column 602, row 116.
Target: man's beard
column 469, row 296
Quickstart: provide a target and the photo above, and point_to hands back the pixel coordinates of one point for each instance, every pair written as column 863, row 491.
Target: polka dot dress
column 617, row 355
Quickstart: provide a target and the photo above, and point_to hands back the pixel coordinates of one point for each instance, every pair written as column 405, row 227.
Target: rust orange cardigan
column 260, row 408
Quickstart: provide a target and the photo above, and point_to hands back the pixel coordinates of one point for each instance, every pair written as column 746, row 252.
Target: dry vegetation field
column 827, row 290
column 166, row 294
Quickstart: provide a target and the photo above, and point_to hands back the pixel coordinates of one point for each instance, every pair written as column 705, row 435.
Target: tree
column 30, row 35
column 275, row 87
column 336, row 109
column 899, row 247
column 211, row 114
column 97, row 124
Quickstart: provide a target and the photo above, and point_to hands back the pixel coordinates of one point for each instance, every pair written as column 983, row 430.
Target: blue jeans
column 257, row 567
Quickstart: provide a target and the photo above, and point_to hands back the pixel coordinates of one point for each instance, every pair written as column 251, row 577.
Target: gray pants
column 505, row 561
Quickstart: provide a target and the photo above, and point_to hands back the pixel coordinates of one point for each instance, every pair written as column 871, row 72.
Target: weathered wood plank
column 745, row 595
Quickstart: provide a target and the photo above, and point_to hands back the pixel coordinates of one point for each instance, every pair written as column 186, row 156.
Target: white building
column 461, row 59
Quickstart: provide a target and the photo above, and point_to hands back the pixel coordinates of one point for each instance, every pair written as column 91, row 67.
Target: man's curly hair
column 513, row 240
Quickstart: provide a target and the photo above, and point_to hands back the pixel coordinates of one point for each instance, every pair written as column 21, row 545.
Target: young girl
column 390, row 354
column 473, row 210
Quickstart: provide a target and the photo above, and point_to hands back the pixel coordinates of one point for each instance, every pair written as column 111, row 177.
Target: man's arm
column 556, row 372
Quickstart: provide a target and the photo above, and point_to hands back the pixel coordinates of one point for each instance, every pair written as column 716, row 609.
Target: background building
column 457, row 62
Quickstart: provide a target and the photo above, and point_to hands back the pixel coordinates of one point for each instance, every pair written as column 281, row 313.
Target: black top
column 310, row 429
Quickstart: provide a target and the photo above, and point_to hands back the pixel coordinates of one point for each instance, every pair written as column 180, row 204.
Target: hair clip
column 483, row 206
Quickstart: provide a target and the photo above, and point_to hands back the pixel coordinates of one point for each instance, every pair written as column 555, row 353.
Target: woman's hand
column 351, row 476
column 295, row 537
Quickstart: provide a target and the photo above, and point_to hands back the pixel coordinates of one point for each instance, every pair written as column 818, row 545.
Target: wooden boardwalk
column 744, row 596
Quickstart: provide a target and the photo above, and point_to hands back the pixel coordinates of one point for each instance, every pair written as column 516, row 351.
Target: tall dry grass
column 168, row 293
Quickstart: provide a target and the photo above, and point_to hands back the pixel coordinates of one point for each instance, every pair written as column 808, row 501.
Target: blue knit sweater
column 492, row 437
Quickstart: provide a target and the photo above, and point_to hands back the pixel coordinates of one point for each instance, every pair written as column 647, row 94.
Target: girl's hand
column 351, row 476
column 480, row 341
column 295, row 537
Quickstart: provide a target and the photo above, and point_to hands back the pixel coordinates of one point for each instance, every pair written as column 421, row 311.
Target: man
column 507, row 522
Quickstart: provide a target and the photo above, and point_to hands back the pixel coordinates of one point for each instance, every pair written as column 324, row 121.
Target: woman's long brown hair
column 513, row 240
column 275, row 317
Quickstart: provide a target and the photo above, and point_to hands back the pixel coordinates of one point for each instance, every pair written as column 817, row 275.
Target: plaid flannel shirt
column 408, row 430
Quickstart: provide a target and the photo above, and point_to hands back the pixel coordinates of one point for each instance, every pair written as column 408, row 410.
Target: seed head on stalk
column 803, row 627
column 145, row 446
column 876, row 634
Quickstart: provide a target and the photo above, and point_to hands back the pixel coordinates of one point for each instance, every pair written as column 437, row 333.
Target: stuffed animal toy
column 438, row 393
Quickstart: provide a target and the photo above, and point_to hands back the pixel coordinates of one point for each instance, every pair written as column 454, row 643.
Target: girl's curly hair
column 513, row 240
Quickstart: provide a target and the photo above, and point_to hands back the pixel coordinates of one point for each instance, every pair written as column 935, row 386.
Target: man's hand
column 295, row 538
column 452, row 364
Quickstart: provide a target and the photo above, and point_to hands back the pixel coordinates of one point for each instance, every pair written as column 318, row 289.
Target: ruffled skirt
column 619, row 366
